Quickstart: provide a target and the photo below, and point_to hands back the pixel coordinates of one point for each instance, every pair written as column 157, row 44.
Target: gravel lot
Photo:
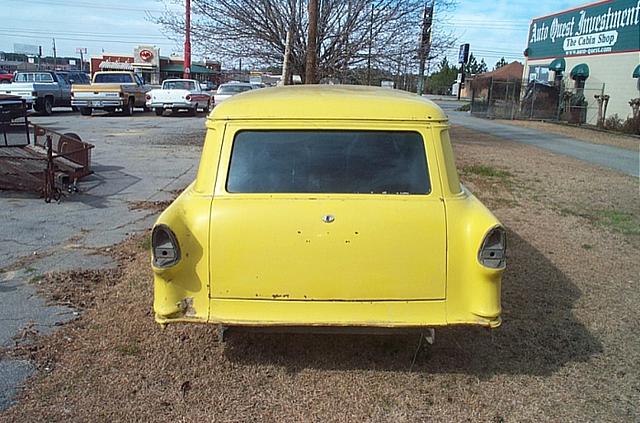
column 567, row 350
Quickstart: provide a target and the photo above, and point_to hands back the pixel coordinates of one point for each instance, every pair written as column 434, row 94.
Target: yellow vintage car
column 328, row 206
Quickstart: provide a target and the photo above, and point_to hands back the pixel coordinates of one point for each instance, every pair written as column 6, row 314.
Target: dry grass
column 584, row 134
column 567, row 350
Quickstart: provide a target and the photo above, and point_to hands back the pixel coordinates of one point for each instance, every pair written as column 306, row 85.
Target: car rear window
column 356, row 162
column 113, row 78
column 233, row 89
column 34, row 77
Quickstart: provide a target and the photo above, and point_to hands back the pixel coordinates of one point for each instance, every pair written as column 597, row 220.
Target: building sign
column 147, row 55
column 611, row 26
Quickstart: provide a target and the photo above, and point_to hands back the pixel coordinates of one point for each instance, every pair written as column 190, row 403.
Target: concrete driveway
column 136, row 159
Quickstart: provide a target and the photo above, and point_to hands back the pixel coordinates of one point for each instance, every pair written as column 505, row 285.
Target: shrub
column 613, row 123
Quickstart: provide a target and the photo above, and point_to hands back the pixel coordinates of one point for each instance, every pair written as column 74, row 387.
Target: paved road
column 138, row 158
column 614, row 158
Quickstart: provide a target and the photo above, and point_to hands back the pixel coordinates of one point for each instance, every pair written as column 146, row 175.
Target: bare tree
column 348, row 33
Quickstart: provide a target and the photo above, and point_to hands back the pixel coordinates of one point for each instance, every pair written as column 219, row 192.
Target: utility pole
column 55, row 55
column 187, row 41
column 286, row 69
column 370, row 42
column 425, row 43
column 39, row 56
column 312, row 38
column 288, row 46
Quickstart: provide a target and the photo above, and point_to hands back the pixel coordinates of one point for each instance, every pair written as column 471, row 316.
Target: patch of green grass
column 487, row 171
column 36, row 278
column 464, row 108
column 619, row 221
column 128, row 349
column 616, row 220
column 145, row 244
column 587, row 246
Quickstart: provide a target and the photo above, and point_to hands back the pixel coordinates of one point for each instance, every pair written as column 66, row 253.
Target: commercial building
column 154, row 68
column 591, row 50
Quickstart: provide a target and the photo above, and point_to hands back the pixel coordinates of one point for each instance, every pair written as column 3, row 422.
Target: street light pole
column 187, row 40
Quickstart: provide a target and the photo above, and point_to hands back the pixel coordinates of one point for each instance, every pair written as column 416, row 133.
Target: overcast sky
column 494, row 28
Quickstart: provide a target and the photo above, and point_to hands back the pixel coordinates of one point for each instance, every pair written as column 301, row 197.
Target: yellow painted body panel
column 386, row 260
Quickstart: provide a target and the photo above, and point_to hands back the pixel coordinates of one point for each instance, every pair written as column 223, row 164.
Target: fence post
column 533, row 99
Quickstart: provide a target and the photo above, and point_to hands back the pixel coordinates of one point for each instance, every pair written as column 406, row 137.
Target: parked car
column 229, row 89
column 42, row 90
column 335, row 206
column 5, row 77
column 178, row 94
column 208, row 86
column 111, row 91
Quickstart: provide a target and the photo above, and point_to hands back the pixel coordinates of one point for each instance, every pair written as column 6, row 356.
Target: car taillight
column 188, row 98
column 148, row 97
column 164, row 247
column 494, row 247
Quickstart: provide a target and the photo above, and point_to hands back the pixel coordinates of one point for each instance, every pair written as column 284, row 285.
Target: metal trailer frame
column 49, row 166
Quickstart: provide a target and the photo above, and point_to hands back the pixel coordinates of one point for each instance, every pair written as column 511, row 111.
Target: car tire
column 86, row 111
column 127, row 110
column 159, row 111
column 47, row 107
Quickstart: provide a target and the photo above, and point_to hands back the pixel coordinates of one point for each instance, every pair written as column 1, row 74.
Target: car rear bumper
column 96, row 103
column 174, row 105
column 337, row 314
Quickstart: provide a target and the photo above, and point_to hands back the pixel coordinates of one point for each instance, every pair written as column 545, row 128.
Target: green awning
column 636, row 72
column 176, row 68
column 558, row 65
column 580, row 71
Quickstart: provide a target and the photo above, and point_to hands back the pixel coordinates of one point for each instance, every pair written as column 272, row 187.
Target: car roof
column 179, row 79
column 339, row 102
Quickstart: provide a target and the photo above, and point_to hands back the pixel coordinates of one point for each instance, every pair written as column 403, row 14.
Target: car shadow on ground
column 106, row 182
column 539, row 334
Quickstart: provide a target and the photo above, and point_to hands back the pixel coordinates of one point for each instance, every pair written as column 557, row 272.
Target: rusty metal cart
column 37, row 159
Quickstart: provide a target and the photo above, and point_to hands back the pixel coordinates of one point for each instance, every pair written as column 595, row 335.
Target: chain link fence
column 518, row 99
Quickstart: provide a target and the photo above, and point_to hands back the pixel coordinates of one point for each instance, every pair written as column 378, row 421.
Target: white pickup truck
column 179, row 94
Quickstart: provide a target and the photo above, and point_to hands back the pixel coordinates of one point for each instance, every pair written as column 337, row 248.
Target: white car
column 179, row 94
column 229, row 89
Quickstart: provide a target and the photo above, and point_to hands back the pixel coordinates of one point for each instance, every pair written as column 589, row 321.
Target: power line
column 92, row 5
column 87, row 39
column 91, row 34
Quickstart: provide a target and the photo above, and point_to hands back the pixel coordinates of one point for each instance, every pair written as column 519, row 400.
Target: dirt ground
column 584, row 134
column 567, row 351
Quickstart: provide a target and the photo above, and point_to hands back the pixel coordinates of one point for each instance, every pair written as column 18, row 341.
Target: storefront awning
column 123, row 66
column 636, row 72
column 195, row 69
column 558, row 65
column 580, row 71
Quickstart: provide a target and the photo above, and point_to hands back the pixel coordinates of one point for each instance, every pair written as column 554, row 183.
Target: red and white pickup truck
column 179, row 94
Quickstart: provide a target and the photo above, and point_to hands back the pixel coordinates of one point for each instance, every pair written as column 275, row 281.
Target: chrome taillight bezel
column 493, row 250
column 163, row 255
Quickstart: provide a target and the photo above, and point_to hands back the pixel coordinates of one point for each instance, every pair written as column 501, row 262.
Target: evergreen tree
column 500, row 63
